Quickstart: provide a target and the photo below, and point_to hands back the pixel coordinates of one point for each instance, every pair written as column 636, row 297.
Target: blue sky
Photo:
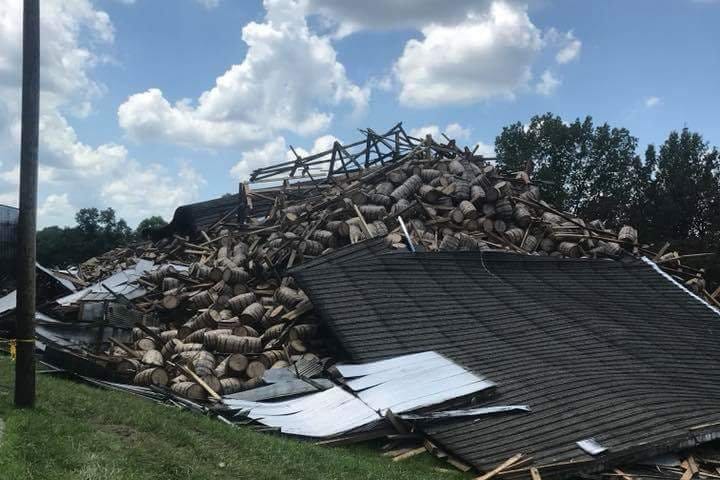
column 148, row 104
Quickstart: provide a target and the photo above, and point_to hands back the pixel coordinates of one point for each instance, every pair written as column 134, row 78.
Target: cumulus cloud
column 548, row 83
column 205, row 3
column 146, row 190
column 276, row 151
column 57, row 210
column 73, row 173
column 651, row 102
column 486, row 55
column 570, row 48
column 452, row 130
column 350, row 15
column 288, row 80
column 484, row 50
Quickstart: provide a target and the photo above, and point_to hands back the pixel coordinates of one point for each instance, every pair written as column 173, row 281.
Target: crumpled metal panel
column 402, row 384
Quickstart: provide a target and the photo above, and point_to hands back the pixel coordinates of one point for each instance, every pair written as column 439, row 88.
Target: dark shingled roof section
column 597, row 348
column 351, row 253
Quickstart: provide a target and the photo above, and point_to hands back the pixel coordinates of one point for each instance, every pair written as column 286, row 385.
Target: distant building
column 8, row 238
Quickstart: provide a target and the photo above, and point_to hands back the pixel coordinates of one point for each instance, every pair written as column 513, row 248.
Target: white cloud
column 205, row 3
column 548, row 83
column 56, row 210
column 287, row 81
column 651, row 102
column 276, row 151
column 570, row 49
column 484, row 149
column 452, row 130
column 144, row 190
column 351, row 15
column 486, row 55
column 73, row 34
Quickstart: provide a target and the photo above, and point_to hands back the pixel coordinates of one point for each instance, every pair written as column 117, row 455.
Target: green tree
column 95, row 233
column 586, row 169
column 683, row 200
column 149, row 224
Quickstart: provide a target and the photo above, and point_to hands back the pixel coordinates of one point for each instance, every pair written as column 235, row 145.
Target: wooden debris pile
column 230, row 311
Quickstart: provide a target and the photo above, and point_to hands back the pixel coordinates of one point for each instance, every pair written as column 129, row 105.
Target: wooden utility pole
column 25, row 366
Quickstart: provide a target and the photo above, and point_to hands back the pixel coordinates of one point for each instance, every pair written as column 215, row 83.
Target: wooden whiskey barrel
column 468, row 210
column 522, row 216
column 231, row 385
column 196, row 336
column 128, row 365
column 204, row 363
column 145, row 344
column 569, row 249
column 238, row 303
column 235, row 275
column 154, row 358
column 252, row 314
column 628, row 234
column 188, row 347
column 408, row 188
column 287, row 297
column 504, row 209
column 301, row 332
column 170, row 283
column 235, row 344
column 514, row 235
column 151, row 376
column 210, row 337
column 190, row 390
column 255, row 369
column 247, row 331
column 168, row 350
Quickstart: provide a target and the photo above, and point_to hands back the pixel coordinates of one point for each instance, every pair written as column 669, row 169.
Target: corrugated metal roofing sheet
column 402, row 384
column 598, row 349
column 121, row 283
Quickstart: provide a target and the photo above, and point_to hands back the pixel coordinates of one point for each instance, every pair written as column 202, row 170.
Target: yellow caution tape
column 12, row 345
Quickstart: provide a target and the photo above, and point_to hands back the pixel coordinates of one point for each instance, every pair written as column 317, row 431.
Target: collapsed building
column 511, row 337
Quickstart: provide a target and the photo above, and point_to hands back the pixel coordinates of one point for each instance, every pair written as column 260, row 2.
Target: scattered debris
column 211, row 316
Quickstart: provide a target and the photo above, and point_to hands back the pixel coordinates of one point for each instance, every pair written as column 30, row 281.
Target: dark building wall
column 8, row 237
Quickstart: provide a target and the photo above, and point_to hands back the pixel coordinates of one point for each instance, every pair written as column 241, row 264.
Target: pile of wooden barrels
column 230, row 310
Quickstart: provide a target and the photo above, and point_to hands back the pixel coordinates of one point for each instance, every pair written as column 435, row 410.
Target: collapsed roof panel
column 605, row 350
column 402, row 384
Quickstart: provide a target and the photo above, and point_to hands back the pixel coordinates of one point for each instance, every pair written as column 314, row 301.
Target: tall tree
column 592, row 171
column 684, row 199
column 96, row 232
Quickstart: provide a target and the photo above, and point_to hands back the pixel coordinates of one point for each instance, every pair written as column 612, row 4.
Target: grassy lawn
column 78, row 432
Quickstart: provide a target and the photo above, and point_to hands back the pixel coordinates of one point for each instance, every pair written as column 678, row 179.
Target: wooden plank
column 126, row 349
column 506, row 464
column 411, row 453
column 622, row 474
column 198, row 380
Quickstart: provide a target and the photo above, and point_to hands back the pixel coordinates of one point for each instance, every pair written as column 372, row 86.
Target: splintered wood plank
column 411, row 453
column 506, row 464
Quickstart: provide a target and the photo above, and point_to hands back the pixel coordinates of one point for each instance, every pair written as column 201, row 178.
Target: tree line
column 669, row 193
column 96, row 232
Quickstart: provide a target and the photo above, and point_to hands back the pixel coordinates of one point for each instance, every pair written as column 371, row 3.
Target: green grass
column 77, row 432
